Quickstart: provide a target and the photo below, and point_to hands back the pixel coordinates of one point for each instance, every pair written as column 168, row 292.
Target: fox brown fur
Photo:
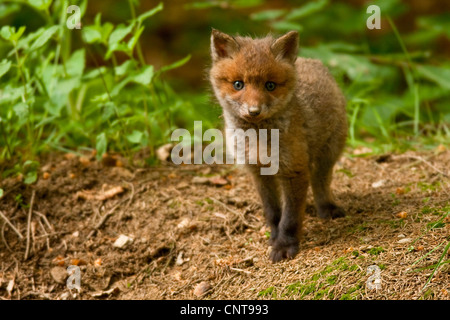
column 307, row 107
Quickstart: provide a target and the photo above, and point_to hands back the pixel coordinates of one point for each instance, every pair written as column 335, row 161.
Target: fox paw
column 281, row 251
column 330, row 211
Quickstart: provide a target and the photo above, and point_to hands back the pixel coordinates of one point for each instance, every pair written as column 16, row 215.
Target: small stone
column 184, row 223
column 180, row 259
column 200, row 180
column 122, row 241
column 405, row 240
column 202, row 288
column 378, row 183
column 59, row 274
column 163, row 152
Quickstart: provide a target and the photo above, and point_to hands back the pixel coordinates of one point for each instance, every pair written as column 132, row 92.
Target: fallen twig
column 11, row 225
column 420, row 159
column 30, row 212
column 105, row 217
column 240, row 215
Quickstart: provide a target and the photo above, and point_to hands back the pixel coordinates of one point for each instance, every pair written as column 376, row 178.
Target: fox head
column 253, row 79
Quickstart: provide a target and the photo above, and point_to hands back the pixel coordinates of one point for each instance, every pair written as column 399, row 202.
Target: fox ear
column 222, row 45
column 286, row 47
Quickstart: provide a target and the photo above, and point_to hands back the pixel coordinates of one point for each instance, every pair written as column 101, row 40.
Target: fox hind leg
column 320, row 182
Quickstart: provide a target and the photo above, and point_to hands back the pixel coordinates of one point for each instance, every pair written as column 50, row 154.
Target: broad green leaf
column 24, row 43
column 21, row 110
column 44, row 37
column 107, row 28
column 286, row 26
column 65, row 86
column 268, row 14
column 16, row 35
column 91, row 34
column 30, row 169
column 124, row 67
column 7, row 9
column 307, row 9
column 75, row 64
column 202, row 5
column 54, row 107
column 30, row 177
column 6, row 32
column 108, row 110
column 150, row 13
column 440, row 75
column 101, row 145
column 1, row 192
column 94, row 73
column 11, row 93
column 114, row 42
column 5, row 65
column 135, row 136
column 119, row 33
column 246, row 3
column 145, row 76
column 40, row 4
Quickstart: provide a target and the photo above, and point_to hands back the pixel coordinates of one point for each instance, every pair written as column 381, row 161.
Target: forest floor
column 198, row 232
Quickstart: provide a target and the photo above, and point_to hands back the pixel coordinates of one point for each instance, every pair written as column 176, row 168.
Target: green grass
column 319, row 285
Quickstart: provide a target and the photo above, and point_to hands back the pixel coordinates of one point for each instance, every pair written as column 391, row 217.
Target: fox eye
column 270, row 86
column 238, row 85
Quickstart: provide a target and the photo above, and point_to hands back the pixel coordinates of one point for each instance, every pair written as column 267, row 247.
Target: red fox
column 262, row 84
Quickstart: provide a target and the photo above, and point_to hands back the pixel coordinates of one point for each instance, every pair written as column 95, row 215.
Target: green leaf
column 21, row 110
column 6, row 9
column 5, row 65
column 43, row 38
column 114, row 42
column 91, row 34
column 150, row 13
column 306, row 10
column 75, row 64
column 119, row 33
column 176, row 64
column 145, row 76
column 440, row 75
column 6, row 32
column 135, row 136
column 30, row 169
column 268, row 15
column 16, row 36
column 30, row 177
column 1, row 193
column 40, row 4
column 101, row 145
column 135, row 38
column 286, row 26
column 106, row 31
column 124, row 67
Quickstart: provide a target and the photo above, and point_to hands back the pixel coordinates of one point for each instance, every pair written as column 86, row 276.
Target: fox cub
column 261, row 83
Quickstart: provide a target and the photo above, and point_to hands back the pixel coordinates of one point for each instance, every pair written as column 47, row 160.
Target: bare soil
column 198, row 232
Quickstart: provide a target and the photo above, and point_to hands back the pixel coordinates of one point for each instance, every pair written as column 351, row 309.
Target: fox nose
column 254, row 111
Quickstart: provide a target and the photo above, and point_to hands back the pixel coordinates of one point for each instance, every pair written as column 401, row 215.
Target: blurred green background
column 136, row 70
